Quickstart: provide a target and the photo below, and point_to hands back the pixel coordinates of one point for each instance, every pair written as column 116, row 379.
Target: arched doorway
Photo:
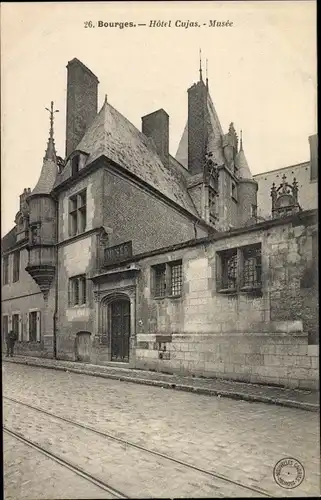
column 119, row 328
column 82, row 346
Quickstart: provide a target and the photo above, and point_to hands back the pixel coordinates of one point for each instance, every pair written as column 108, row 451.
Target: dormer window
column 75, row 164
column 77, row 161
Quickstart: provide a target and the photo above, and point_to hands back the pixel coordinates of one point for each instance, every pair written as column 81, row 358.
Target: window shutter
column 27, row 328
column 20, row 329
column 38, row 326
column 9, row 322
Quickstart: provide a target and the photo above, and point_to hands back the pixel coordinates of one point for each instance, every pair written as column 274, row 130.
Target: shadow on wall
column 83, row 346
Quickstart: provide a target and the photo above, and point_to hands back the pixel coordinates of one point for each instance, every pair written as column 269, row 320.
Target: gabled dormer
column 76, row 161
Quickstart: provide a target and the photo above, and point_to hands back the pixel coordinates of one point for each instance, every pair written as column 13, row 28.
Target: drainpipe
column 55, row 316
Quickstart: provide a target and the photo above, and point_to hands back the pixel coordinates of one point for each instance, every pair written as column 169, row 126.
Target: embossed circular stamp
column 288, row 473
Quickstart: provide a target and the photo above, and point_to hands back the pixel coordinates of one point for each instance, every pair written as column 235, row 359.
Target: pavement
column 293, row 398
column 236, row 439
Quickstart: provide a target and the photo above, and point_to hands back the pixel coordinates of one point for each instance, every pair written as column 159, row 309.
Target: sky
column 262, row 75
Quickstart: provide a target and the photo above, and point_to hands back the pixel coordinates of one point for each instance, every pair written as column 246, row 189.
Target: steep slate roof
column 9, row 240
column 113, row 136
column 215, row 133
column 47, row 178
column 49, row 169
column 242, row 165
column 214, row 137
column 182, row 151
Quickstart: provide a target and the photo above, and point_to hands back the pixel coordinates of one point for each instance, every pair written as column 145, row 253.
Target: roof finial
column 241, row 141
column 106, row 98
column 206, row 71
column 201, row 77
column 50, row 151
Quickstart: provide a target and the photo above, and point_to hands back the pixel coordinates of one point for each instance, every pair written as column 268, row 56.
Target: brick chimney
column 197, row 127
column 156, row 126
column 313, row 141
column 82, row 93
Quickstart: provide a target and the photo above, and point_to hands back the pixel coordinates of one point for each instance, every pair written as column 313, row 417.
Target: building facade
column 123, row 253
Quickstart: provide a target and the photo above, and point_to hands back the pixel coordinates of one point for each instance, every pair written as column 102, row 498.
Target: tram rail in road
column 260, row 492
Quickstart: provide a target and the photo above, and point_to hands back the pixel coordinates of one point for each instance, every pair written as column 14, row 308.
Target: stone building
column 123, row 253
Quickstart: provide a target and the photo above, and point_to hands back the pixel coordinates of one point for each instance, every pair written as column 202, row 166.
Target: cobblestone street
column 238, row 440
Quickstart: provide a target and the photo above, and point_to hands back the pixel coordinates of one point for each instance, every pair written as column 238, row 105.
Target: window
column 16, row 266
column 212, row 205
column 33, row 320
column 77, row 290
column 75, row 165
column 239, row 269
column 35, row 234
column 251, row 275
column 77, row 213
column 15, row 324
column 5, row 269
column 229, row 269
column 233, row 191
column 160, row 280
column 176, row 278
column 167, row 279
column 5, row 327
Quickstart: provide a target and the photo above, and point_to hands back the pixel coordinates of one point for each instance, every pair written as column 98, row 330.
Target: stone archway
column 83, row 346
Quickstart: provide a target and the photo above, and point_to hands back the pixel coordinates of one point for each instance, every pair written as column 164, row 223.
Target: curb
column 180, row 387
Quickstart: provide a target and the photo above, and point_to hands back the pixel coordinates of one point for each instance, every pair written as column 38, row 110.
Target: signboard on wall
column 118, row 253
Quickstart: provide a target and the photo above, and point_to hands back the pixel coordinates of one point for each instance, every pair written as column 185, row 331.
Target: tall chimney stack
column 82, row 94
column 156, row 126
column 197, row 127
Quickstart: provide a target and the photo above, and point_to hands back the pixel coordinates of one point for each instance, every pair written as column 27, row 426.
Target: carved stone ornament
column 211, row 171
column 107, row 295
column 285, row 198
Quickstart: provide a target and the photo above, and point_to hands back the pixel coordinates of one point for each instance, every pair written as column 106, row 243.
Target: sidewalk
column 295, row 398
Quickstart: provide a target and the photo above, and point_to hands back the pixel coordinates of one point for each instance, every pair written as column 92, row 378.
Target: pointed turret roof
column 49, row 169
column 214, row 135
column 113, row 136
column 241, row 163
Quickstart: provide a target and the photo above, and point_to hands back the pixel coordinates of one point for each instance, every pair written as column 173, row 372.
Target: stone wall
column 257, row 337
column 283, row 359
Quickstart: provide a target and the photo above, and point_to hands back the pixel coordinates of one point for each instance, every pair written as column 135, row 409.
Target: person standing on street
column 11, row 340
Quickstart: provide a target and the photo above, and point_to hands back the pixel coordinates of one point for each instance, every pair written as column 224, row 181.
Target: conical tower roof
column 49, row 169
column 241, row 163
